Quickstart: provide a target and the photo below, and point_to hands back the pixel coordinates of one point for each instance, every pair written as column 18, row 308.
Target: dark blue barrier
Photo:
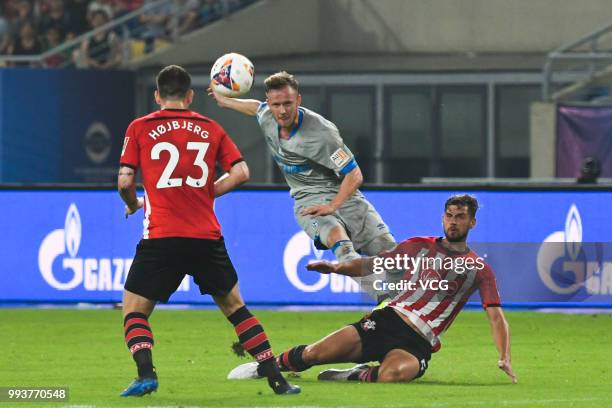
column 68, row 246
column 50, row 116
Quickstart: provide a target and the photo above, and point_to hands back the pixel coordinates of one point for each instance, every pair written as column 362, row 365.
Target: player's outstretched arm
column 126, row 184
column 355, row 267
column 238, row 174
column 246, row 106
column 501, row 336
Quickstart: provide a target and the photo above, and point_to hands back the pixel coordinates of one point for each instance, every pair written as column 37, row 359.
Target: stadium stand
column 62, row 33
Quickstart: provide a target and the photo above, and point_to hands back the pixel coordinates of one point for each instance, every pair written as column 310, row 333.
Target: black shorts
column 383, row 330
column 161, row 264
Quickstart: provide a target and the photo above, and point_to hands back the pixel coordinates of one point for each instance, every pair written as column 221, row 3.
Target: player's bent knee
column 312, row 354
column 136, row 303
column 402, row 373
column 331, row 236
column 381, row 243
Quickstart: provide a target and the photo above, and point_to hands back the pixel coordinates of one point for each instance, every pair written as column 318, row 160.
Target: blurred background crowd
column 72, row 28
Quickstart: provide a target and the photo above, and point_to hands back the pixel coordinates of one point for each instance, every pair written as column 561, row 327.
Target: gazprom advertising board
column 77, row 246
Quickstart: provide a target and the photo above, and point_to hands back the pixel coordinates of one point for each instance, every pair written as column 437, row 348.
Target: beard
column 455, row 238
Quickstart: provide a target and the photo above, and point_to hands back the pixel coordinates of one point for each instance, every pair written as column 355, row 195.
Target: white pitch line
column 426, row 405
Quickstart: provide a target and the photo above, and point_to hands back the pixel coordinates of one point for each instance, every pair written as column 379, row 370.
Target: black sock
column 139, row 339
column 291, row 360
column 252, row 337
column 369, row 374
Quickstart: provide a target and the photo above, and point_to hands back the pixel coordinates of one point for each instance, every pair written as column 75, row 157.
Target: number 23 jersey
column 177, row 151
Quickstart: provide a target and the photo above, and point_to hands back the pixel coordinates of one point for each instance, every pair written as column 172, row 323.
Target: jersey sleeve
column 130, row 153
column 261, row 111
column 330, row 151
column 228, row 153
column 487, row 287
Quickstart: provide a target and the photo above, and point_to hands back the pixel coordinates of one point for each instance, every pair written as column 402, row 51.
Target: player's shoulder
column 135, row 127
column 265, row 119
column 416, row 243
column 315, row 121
column 316, row 132
column 421, row 240
column 263, row 112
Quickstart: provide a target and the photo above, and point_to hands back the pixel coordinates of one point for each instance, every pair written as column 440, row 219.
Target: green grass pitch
column 561, row 361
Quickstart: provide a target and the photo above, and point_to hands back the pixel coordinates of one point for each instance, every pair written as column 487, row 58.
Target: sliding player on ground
column 403, row 335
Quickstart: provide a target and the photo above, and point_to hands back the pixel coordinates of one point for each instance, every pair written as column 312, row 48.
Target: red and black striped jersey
column 177, row 151
column 432, row 308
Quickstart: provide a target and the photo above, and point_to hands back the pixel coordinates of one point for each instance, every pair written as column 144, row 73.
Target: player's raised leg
column 139, row 339
column 341, row 346
column 340, row 244
column 253, row 339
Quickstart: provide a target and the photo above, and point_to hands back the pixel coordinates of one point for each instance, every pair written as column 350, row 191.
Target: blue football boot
column 140, row 387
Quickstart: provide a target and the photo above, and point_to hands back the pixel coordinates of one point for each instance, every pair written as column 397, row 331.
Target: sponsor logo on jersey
column 340, row 158
column 368, row 325
column 423, row 364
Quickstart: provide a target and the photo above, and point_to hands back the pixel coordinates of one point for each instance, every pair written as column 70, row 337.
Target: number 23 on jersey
column 166, row 180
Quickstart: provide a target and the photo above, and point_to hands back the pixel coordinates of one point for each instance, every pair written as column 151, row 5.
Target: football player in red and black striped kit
column 177, row 150
column 402, row 335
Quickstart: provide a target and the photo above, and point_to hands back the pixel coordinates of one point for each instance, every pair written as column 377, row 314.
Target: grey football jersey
column 314, row 158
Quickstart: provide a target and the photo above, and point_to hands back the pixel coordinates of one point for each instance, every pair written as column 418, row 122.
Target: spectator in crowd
column 9, row 9
column 70, row 18
column 23, row 13
column 123, row 7
column 5, row 32
column 58, row 17
column 104, row 5
column 27, row 43
column 185, row 17
column 127, row 6
column 53, row 39
column 153, row 25
column 103, row 50
column 210, row 11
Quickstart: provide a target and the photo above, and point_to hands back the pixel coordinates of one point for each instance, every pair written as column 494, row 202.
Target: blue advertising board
column 76, row 246
column 48, row 116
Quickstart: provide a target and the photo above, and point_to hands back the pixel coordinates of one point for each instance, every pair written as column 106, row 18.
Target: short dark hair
column 463, row 200
column 173, row 82
column 99, row 12
column 281, row 80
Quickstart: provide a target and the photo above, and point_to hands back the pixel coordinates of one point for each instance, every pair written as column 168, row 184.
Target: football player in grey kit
column 321, row 171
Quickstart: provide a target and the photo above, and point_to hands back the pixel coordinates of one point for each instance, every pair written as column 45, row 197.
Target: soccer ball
column 232, row 75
